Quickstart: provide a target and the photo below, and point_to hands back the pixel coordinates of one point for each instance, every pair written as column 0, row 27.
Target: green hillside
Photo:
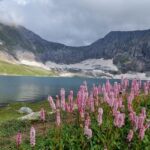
column 14, row 69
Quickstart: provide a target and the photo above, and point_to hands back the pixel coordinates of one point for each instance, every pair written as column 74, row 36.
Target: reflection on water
column 38, row 88
column 25, row 91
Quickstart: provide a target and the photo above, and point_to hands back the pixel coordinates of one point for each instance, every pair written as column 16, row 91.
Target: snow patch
column 90, row 64
column 133, row 75
column 28, row 58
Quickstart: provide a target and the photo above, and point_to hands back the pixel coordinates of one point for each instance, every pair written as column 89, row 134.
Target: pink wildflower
column 92, row 103
column 58, row 120
column 116, row 105
column 108, row 86
column 143, row 112
column 132, row 115
column 52, row 104
column 111, row 101
column 130, row 108
column 119, row 119
column 120, row 102
column 71, row 104
column 142, row 133
column 88, row 132
column 136, row 122
column 42, row 114
column 18, row 139
column 81, row 111
column 57, row 102
column 87, row 120
column 145, row 89
column 100, row 116
column 147, row 125
column 95, row 93
column 62, row 94
column 130, row 135
column 141, row 121
column 32, row 136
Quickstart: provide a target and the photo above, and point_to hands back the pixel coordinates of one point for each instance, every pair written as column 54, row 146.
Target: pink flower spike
column 32, row 136
column 18, row 139
column 100, row 116
column 87, row 120
column 130, row 135
column 62, row 94
column 82, row 113
column 88, row 132
column 143, row 112
column 92, row 103
column 141, row 121
column 147, row 125
column 52, row 104
column 142, row 133
column 119, row 120
column 42, row 114
column 58, row 120
column 136, row 122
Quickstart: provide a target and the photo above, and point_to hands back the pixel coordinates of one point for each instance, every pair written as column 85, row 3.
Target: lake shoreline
column 73, row 75
column 29, row 88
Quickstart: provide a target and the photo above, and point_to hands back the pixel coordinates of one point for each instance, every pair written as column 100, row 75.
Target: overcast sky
column 76, row 22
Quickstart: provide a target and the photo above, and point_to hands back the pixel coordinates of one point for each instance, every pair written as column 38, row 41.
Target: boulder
column 32, row 116
column 25, row 110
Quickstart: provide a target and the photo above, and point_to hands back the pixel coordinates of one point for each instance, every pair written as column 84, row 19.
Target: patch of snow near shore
column 102, row 74
column 133, row 75
column 87, row 74
column 67, row 74
column 90, row 64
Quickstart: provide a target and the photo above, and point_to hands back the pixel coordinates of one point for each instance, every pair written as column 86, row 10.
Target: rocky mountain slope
column 129, row 50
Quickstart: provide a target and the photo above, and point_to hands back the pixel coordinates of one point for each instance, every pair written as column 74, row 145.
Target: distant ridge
column 130, row 50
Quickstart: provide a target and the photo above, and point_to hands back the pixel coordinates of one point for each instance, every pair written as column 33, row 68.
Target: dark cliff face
column 130, row 50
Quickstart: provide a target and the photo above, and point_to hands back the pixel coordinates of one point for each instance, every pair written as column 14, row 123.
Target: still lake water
column 38, row 88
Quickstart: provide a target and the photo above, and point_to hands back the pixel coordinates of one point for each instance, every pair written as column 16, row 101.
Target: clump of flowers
column 89, row 113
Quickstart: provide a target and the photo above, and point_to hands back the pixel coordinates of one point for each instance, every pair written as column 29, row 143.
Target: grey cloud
column 76, row 22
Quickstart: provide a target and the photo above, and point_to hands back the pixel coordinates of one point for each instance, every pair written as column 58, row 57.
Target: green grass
column 10, row 112
column 15, row 69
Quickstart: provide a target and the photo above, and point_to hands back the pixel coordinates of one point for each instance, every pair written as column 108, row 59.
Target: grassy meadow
column 96, row 127
column 15, row 69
